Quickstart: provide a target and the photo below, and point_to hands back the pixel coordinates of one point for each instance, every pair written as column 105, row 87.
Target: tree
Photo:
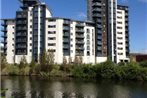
column 64, row 60
column 143, row 64
column 80, row 60
column 76, row 60
column 3, row 61
column 23, row 62
column 47, row 61
column 69, row 60
column 33, row 66
column 50, row 57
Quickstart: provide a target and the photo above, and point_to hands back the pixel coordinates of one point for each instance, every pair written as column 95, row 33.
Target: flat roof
column 69, row 19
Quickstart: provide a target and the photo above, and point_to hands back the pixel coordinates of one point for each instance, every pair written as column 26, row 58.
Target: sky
column 77, row 9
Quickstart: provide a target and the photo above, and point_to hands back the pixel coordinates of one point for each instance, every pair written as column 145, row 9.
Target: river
column 34, row 87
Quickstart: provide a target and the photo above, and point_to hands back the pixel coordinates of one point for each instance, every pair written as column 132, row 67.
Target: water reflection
column 27, row 87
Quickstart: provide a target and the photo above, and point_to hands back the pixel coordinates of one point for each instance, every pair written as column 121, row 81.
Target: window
column 120, row 43
column 30, row 44
column 119, row 22
column 30, row 32
column 71, row 51
column 119, row 27
column 30, row 26
column 88, row 53
column 51, row 50
column 51, row 20
column 119, row 38
column 51, row 32
column 120, row 53
column 51, row 26
column 51, row 38
column 119, row 32
column 51, row 44
column 119, row 17
column 12, row 38
column 30, row 50
column 12, row 50
column 30, row 38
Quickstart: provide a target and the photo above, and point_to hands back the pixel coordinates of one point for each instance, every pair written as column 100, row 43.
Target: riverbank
column 106, row 70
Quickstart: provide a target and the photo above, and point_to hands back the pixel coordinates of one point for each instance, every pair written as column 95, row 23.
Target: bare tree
column 69, row 60
column 64, row 60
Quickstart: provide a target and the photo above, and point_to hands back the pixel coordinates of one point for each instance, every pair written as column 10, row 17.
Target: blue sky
column 76, row 9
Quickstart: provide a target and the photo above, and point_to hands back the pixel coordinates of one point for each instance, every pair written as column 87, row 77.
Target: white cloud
column 81, row 15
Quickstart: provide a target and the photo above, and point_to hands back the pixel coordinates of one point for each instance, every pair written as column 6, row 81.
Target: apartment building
column 70, row 38
column 9, row 39
column 122, row 34
column 35, row 30
column 103, row 14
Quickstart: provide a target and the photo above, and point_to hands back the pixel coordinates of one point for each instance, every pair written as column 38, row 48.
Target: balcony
column 79, row 48
column 66, row 22
column 79, row 36
column 79, row 24
column 21, row 28
column 97, row 9
column 80, row 30
column 21, row 46
column 4, row 36
column 3, row 23
column 21, row 22
column 97, row 15
column 79, row 42
column 66, row 46
column 4, row 30
column 66, row 40
column 4, row 42
column 21, row 40
column 21, row 34
column 79, row 53
column 21, row 16
column 66, row 28
column 66, row 34
column 97, row 4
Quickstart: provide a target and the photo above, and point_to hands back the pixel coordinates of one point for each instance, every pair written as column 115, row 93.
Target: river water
column 34, row 87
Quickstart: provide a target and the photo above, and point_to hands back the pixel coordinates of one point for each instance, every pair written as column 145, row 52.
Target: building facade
column 34, row 31
column 122, row 34
column 109, row 42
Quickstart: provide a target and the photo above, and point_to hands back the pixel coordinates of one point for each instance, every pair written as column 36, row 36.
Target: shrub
column 143, row 64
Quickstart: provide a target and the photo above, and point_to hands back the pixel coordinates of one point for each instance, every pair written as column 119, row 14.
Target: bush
column 143, row 64
column 83, row 71
column 10, row 70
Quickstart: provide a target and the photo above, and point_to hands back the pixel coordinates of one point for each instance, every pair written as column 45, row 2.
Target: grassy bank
column 47, row 68
column 108, row 70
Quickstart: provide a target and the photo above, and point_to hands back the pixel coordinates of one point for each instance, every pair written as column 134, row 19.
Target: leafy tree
column 3, row 62
column 23, row 62
column 47, row 61
column 33, row 66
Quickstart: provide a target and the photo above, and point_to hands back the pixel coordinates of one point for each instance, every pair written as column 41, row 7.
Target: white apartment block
column 70, row 38
column 9, row 39
column 35, row 30
column 122, row 35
